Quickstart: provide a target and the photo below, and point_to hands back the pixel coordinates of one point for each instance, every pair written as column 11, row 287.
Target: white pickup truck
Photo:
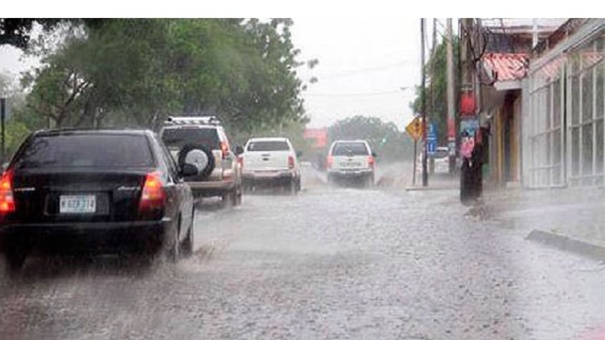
column 270, row 162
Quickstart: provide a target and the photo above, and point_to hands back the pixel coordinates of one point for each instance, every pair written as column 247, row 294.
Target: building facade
column 563, row 108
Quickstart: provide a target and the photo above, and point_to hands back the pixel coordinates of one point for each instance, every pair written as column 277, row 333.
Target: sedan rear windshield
column 350, row 149
column 268, row 146
column 179, row 137
column 87, row 151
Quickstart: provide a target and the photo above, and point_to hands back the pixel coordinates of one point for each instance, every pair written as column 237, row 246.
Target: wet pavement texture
column 330, row 263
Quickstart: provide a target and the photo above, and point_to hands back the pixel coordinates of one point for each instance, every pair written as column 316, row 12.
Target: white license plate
column 77, row 204
column 352, row 165
column 266, row 173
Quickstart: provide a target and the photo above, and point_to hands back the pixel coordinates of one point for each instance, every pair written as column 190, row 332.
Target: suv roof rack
column 193, row 120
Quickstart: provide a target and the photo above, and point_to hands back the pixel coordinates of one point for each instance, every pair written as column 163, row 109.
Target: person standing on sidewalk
column 471, row 179
column 466, row 150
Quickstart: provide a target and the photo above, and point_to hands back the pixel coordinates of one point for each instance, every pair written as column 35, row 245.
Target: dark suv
column 94, row 191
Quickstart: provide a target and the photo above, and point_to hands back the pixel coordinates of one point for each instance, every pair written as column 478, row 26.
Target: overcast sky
column 367, row 66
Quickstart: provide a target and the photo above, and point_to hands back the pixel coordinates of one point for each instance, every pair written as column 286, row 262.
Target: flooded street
column 330, row 263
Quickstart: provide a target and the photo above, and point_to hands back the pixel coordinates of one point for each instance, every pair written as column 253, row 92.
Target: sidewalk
column 571, row 219
column 400, row 176
column 443, row 182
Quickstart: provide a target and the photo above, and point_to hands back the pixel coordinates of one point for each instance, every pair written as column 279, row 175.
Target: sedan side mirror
column 189, row 169
column 239, row 150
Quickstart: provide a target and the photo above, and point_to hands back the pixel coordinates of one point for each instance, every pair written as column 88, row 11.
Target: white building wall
column 563, row 123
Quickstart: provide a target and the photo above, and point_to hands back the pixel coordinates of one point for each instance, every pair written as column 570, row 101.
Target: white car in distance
column 352, row 161
column 271, row 162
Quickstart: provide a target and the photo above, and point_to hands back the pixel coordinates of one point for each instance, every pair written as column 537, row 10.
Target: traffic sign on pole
column 414, row 128
column 431, row 139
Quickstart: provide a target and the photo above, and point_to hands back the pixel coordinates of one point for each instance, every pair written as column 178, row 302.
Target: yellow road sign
column 414, row 129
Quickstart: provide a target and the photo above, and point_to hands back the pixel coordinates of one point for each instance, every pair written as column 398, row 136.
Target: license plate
column 266, row 173
column 352, row 164
column 77, row 204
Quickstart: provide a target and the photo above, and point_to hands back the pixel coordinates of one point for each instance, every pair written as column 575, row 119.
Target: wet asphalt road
column 331, row 263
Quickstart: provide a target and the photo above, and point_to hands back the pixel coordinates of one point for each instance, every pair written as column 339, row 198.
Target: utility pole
column 451, row 138
column 431, row 111
column 415, row 158
column 465, row 87
column 425, row 177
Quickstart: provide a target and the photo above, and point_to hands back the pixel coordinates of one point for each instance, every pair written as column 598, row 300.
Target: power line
column 365, row 70
column 363, row 94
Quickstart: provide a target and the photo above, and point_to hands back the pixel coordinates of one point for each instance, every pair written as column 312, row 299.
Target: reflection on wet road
column 330, row 263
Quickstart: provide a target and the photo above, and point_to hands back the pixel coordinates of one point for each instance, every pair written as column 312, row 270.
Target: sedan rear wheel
column 15, row 259
column 174, row 250
column 187, row 245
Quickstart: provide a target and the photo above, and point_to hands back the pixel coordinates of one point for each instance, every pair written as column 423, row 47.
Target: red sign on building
column 468, row 104
column 319, row 137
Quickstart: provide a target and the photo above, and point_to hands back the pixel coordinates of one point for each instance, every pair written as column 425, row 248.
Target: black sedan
column 94, row 191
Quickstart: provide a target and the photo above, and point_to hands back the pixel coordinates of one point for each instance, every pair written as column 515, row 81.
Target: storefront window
column 587, row 149
column 599, row 147
column 557, row 103
column 575, row 100
column 587, row 94
column 600, row 91
column 575, row 151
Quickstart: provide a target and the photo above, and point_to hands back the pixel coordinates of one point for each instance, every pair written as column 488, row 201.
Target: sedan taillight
column 7, row 200
column 153, row 196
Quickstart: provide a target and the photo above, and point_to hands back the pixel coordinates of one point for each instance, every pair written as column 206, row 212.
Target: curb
column 591, row 250
column 429, row 188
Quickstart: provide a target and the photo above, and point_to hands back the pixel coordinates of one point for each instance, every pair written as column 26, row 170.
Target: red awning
column 505, row 67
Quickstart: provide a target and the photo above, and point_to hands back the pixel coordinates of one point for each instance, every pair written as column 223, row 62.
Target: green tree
column 16, row 131
column 136, row 72
column 436, row 106
column 16, row 32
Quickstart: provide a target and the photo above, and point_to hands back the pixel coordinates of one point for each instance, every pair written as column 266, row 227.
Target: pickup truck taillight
column 7, row 200
column 371, row 161
column 240, row 161
column 290, row 162
column 153, row 196
column 329, row 162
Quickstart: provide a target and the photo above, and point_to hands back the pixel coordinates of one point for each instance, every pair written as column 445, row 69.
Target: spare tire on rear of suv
column 207, row 170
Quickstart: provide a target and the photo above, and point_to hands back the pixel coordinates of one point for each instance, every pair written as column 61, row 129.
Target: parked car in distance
column 205, row 142
column 352, row 161
column 94, row 191
column 271, row 162
column 437, row 163
column 441, row 160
